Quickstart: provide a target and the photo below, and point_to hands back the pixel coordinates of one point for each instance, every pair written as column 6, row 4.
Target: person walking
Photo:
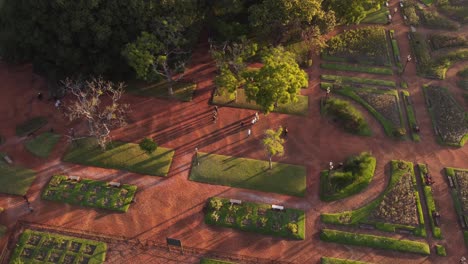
column 216, row 108
column 257, row 116
column 249, row 132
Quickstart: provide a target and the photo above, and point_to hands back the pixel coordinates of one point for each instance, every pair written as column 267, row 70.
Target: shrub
column 292, row 227
column 440, row 250
column 432, row 19
column 148, row 145
column 399, row 132
column 347, row 115
column 440, row 41
column 216, row 204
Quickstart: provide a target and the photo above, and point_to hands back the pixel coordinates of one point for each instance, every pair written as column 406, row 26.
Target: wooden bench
column 277, row 207
column 450, row 180
column 7, row 159
column 235, row 201
column 74, row 178
column 114, row 184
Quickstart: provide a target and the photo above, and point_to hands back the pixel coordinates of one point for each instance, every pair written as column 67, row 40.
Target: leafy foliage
column 351, row 11
column 349, row 117
column 148, row 145
column 273, row 143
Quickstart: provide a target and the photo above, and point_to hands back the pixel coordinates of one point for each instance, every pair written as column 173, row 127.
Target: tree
column 351, row 11
column 159, row 53
column 273, row 143
column 278, row 81
column 227, row 82
column 278, row 17
column 88, row 104
column 148, row 145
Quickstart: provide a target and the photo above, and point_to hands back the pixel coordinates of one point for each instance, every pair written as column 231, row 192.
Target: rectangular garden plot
column 434, row 216
column 449, row 119
column 397, row 209
column 458, row 182
column 256, row 217
column 90, row 193
column 41, row 247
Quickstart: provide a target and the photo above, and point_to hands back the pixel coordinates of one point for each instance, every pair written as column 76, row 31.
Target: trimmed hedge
column 411, row 116
column 431, row 207
column 378, row 242
column 440, row 250
column 357, row 68
column 346, row 79
column 349, row 117
column 327, row 260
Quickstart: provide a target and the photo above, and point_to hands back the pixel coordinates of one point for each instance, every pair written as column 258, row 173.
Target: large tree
column 278, row 81
column 351, row 11
column 101, row 115
column 276, row 18
column 273, row 143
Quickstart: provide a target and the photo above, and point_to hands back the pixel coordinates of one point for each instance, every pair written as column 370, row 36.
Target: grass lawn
column 256, row 217
column 183, row 91
column 214, row 261
column 90, row 193
column 327, row 260
column 365, row 214
column 356, row 68
column 250, row 174
column 377, row 17
column 43, row 144
column 41, row 247
column 121, row 156
column 301, row 107
column 346, row 79
column 30, row 126
column 355, row 175
column 372, row 241
column 15, row 179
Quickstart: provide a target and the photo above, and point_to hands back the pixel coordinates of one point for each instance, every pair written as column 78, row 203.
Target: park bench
column 235, row 201
column 450, row 182
column 7, row 159
column 114, row 184
column 74, row 178
column 436, row 217
column 277, row 207
column 366, row 226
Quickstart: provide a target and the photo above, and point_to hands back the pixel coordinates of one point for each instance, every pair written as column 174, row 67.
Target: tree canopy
column 351, row 11
column 273, row 143
column 278, row 81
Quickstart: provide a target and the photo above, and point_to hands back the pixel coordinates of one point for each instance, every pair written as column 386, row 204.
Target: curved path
column 172, row 206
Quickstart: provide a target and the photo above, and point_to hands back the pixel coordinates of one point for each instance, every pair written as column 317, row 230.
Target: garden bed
column 384, row 214
column 250, row 174
column 256, row 217
column 378, row 242
column 449, row 119
column 90, row 193
column 41, row 247
column 353, row 177
column 457, row 179
column 121, row 156
column 346, row 79
column 412, row 123
column 431, row 206
column 357, row 68
column 43, row 144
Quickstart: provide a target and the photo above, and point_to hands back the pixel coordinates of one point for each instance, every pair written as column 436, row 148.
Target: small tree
column 148, row 145
column 101, row 117
column 273, row 143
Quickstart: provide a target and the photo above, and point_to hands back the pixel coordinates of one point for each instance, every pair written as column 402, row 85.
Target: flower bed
column 462, row 185
column 256, row 217
column 89, row 193
column 449, row 119
column 385, row 104
column 41, row 247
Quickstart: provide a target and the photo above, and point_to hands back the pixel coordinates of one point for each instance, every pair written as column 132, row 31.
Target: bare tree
column 102, row 116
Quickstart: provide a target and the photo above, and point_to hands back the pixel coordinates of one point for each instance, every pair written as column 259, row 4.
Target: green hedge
column 431, row 207
column 440, row 250
column 360, row 171
column 214, row 261
column 411, row 116
column 357, row 68
column 349, row 117
column 372, row 241
column 327, row 260
column 346, row 79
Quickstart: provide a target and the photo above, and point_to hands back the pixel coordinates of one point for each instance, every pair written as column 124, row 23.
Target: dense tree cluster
column 351, row 11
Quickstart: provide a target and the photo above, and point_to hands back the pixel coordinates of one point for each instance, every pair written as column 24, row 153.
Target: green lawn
column 183, row 91
column 327, row 260
column 30, row 126
column 15, row 179
column 250, row 174
column 42, row 247
column 377, row 17
column 90, row 193
column 256, row 217
column 43, row 144
column 214, row 261
column 372, row 241
column 346, row 79
column 121, row 156
column 357, row 68
column 299, row 108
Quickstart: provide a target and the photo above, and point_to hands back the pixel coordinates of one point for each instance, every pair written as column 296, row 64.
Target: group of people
column 28, row 203
column 58, row 103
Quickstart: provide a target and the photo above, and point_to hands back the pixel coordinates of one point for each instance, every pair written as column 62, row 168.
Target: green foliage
column 278, row 81
column 258, row 218
column 15, row 179
column 347, row 115
column 411, row 116
column 30, row 126
column 410, row 11
column 440, row 41
column 43, row 144
column 90, row 193
column 250, row 174
column 347, row 79
column 227, row 82
column 372, row 241
column 432, row 19
column 380, row 16
column 351, row 11
column 356, row 174
column 440, row 250
column 216, row 203
column 148, row 145
column 273, row 143
column 454, row 9
column 214, row 261
column 357, row 68
column 122, row 156
column 327, row 260
column 182, row 90
column 61, row 245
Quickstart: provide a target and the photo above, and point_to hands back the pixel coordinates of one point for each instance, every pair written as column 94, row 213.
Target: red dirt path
column 172, row 206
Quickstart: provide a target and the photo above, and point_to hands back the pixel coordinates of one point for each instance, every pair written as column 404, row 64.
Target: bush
column 440, row 41
column 292, row 227
column 148, row 145
column 433, row 20
column 372, row 241
column 440, row 250
column 216, row 204
column 348, row 116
